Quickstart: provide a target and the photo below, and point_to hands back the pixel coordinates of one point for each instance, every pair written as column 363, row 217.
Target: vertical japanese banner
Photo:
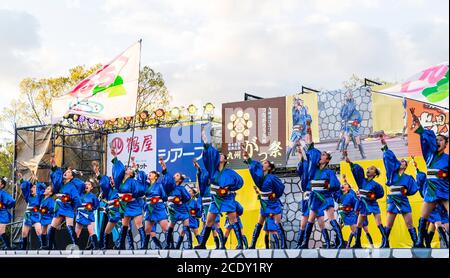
column 178, row 146
column 299, row 109
column 258, row 124
column 144, row 148
column 431, row 118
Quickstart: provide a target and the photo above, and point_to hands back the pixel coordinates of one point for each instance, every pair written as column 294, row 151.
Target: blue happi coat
column 70, row 189
column 195, row 213
column 155, row 198
column 85, row 212
column 126, row 187
column 33, row 212
column 397, row 203
column 224, row 183
column 110, row 194
column 270, row 186
column 47, row 210
column 205, row 198
column 366, row 206
column 7, row 202
column 310, row 171
column 437, row 167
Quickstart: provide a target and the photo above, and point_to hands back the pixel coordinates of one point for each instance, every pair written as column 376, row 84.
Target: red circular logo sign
column 117, row 143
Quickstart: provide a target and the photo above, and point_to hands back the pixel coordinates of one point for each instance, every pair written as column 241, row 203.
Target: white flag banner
column 109, row 93
column 429, row 86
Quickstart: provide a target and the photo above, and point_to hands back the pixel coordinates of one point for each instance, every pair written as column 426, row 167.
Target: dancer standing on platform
column 271, row 189
column 433, row 150
column 304, row 203
column 7, row 202
column 205, row 198
column 224, row 183
column 155, row 208
column 369, row 191
column 322, row 182
column 47, row 211
column 299, row 117
column 85, row 213
column 32, row 191
column 438, row 218
column 129, row 192
column 195, row 212
column 67, row 189
column 401, row 185
column 351, row 119
column 177, row 200
column 347, row 200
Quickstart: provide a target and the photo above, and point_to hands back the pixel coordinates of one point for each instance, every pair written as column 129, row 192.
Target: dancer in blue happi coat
column 271, row 188
column 351, row 121
column 322, row 182
column 369, row 191
column 177, row 200
column 46, row 210
column 7, row 202
column 205, row 199
column 346, row 199
column 300, row 116
column 438, row 218
column 433, row 150
column 67, row 189
column 155, row 208
column 112, row 203
column 304, row 203
column 130, row 192
column 85, row 213
column 195, row 213
column 401, row 185
column 224, row 184
column 32, row 191
column 228, row 227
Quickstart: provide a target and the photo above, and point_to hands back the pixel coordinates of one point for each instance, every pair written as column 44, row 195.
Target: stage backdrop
column 256, row 124
column 430, row 118
column 178, row 146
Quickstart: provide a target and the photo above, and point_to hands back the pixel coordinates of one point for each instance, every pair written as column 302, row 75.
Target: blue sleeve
column 40, row 188
column 105, row 185
column 302, row 175
column 76, row 200
column 391, row 164
column 337, row 196
column 358, row 174
column 232, row 179
column 95, row 202
column 428, row 143
column 25, row 186
column 168, row 183
column 162, row 193
column 256, row 171
column 118, row 171
column 141, row 177
column 313, row 157
column 138, row 188
column 335, row 185
column 211, row 159
column 203, row 180
column 277, row 185
column 421, row 180
column 79, row 185
column 185, row 195
column 8, row 201
column 57, row 179
column 378, row 190
column 412, row 186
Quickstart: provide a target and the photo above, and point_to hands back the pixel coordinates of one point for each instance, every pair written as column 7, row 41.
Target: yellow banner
column 388, row 112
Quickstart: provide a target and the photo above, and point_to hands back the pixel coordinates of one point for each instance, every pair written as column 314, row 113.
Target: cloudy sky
column 218, row 50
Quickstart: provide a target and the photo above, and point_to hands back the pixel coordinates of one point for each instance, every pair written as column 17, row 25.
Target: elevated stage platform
column 262, row 253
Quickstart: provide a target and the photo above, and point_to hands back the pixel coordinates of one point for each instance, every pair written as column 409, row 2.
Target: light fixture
column 128, row 119
column 209, row 108
column 175, row 112
column 192, row 110
column 91, row 121
column 159, row 113
column 75, row 117
column 143, row 115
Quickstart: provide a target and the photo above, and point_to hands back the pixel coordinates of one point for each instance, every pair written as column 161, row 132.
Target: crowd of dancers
column 133, row 197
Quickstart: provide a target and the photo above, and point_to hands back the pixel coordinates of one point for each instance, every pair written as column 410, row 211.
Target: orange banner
column 431, row 118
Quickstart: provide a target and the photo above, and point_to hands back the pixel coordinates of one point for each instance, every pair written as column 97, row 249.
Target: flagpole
column 137, row 97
